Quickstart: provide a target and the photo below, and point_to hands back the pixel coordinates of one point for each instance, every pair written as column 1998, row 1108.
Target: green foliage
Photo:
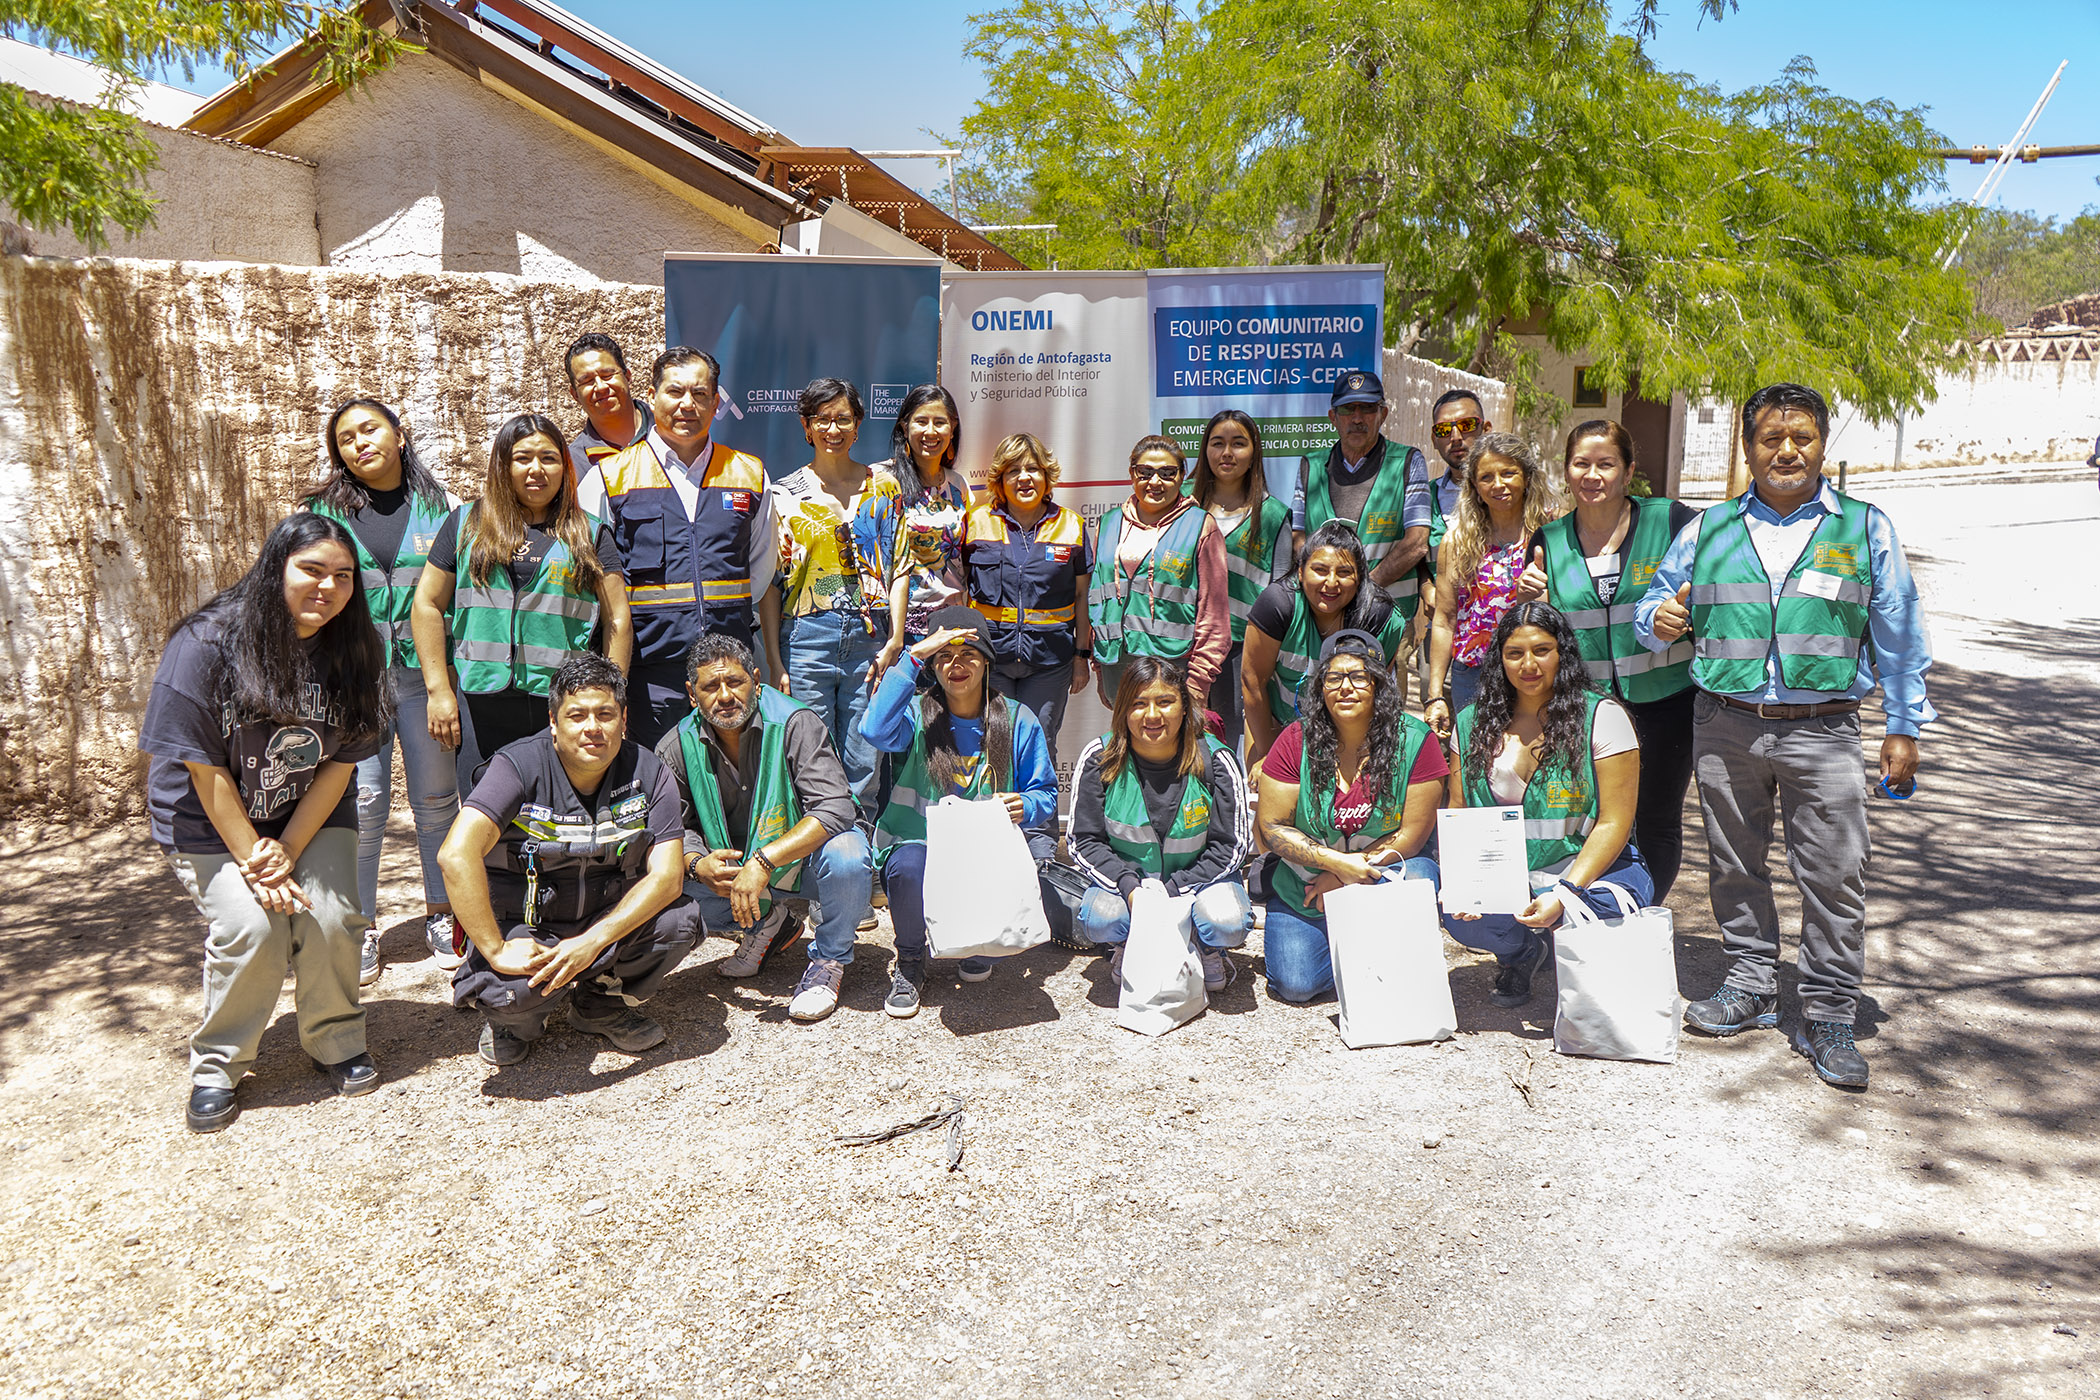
column 80, row 168
column 2018, row 263
column 1507, row 160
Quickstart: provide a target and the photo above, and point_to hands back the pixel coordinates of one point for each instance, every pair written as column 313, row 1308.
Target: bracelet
column 692, row 867
column 759, row 855
column 1083, row 654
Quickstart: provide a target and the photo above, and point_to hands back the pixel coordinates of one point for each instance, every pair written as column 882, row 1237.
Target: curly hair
column 1566, row 741
column 1381, row 741
column 1467, row 544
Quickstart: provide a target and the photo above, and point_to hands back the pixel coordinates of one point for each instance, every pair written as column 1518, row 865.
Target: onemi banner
column 776, row 322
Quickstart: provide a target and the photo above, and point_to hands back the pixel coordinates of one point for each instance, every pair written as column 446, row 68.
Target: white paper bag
column 1162, row 974
column 1387, row 947
column 981, row 897
column 1618, row 981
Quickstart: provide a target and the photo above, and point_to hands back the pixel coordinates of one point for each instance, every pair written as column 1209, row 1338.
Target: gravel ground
column 1241, row 1208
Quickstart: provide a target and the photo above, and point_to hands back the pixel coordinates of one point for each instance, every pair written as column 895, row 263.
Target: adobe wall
column 161, row 416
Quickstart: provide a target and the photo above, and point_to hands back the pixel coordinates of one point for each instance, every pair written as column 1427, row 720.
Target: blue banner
column 776, row 322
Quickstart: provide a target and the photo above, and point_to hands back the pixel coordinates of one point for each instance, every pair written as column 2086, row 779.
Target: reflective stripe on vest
column 504, row 638
column 1314, row 816
column 1299, row 648
column 1614, row 655
column 993, row 557
column 1559, row 811
column 904, row 819
column 1158, row 618
column 774, row 808
column 389, row 593
column 1128, row 822
column 1257, row 553
column 684, row 576
column 1818, row 622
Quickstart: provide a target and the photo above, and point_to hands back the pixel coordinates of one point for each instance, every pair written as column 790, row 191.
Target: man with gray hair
column 765, row 797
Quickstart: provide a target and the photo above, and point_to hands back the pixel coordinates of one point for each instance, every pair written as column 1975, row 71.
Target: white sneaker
column 368, row 959
column 818, row 994
column 438, row 931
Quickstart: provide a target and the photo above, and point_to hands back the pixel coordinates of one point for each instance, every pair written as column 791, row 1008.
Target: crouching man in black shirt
column 564, row 869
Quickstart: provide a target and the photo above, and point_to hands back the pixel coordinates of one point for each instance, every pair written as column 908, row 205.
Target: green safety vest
column 1617, row 660
column 1559, row 808
column 1818, row 622
column 1380, row 525
column 1257, row 553
column 774, row 807
column 904, row 819
column 1130, row 831
column 389, row 591
column 507, row 639
column 1298, row 649
column 1315, row 817
column 1159, row 617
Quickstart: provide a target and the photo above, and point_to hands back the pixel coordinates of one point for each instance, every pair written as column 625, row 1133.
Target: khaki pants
column 247, row 949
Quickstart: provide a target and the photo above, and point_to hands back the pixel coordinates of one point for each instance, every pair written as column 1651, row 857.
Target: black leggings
column 489, row 722
column 1664, row 728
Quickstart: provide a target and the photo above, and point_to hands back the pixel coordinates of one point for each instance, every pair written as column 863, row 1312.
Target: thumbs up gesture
column 1531, row 584
column 1674, row 618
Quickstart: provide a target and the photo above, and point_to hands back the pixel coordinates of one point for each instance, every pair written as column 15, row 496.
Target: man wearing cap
column 1798, row 600
column 1380, row 487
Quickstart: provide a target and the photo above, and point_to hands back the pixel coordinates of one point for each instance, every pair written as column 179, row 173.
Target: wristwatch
column 1083, row 653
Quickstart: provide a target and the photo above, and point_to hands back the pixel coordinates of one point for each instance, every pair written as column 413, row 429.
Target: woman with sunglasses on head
column 1025, row 562
column 1330, row 591
column 1349, row 789
column 515, row 585
column 961, row 738
column 1156, row 798
column 828, row 634
column 1593, row 565
column 264, row 699
column 1503, row 502
column 1229, row 483
column 378, row 489
column 932, row 500
column 1159, row 587
column 1541, row 737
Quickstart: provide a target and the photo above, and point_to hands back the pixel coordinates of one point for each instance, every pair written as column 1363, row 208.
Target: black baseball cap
column 963, row 619
column 1358, row 386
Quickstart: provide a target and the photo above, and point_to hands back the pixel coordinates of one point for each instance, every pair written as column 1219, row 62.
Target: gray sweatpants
column 1813, row 768
column 247, row 948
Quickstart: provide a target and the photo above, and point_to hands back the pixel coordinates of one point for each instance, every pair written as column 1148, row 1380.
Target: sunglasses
column 1456, row 425
column 1155, row 474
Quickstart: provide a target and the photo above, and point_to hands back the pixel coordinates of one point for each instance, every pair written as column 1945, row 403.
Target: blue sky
column 882, row 77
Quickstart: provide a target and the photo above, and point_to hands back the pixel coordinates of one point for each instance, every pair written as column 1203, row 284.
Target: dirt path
column 1242, row 1208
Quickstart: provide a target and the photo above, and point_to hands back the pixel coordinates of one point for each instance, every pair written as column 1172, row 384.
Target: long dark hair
column 1340, row 534
column 499, row 516
column 911, row 489
column 1139, row 673
column 340, row 490
column 1566, row 741
column 259, row 669
column 1205, row 485
column 943, row 759
column 1381, row 742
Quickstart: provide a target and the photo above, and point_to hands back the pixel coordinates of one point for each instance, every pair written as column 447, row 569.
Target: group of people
column 644, row 692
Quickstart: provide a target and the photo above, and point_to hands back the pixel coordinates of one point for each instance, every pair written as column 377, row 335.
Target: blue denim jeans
column 904, row 880
column 839, row 876
column 828, row 656
column 1508, row 940
column 433, row 791
column 1294, row 949
column 1463, row 682
column 1222, row 914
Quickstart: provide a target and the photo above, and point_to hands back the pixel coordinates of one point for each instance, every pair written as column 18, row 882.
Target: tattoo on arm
column 1293, row 845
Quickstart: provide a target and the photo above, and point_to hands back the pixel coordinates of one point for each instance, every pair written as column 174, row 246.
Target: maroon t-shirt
column 1352, row 808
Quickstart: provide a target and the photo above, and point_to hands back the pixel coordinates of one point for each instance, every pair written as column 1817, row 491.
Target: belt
column 1774, row 711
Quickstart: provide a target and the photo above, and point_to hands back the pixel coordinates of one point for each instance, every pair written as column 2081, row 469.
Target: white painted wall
column 1412, row 385
column 425, row 170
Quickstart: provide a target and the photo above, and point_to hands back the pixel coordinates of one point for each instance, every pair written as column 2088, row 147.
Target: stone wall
column 161, row 416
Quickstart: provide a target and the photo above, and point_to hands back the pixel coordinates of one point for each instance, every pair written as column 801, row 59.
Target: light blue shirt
column 1898, row 650
column 892, row 722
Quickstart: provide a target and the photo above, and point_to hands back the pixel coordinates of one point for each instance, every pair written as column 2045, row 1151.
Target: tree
column 1506, row 160
column 81, row 168
column 2018, row 263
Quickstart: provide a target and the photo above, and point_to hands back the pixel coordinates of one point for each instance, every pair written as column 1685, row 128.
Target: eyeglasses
column 1155, row 473
column 842, row 424
column 1350, row 681
column 1456, row 425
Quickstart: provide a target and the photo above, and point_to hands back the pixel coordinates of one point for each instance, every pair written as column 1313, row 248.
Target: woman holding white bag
column 1542, row 737
column 959, row 739
column 1349, row 789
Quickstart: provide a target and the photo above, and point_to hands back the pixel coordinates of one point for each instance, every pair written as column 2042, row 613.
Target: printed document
column 1481, row 855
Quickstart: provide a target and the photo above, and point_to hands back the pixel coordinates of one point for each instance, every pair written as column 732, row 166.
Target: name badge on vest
column 738, row 501
column 1818, row 584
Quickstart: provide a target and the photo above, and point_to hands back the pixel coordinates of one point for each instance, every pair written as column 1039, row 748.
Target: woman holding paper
column 1541, row 737
column 1503, row 501
column 1350, row 788
column 958, row 738
column 1156, row 798
column 1330, row 590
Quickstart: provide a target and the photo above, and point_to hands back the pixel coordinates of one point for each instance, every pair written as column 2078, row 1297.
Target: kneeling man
column 563, row 868
column 765, row 795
